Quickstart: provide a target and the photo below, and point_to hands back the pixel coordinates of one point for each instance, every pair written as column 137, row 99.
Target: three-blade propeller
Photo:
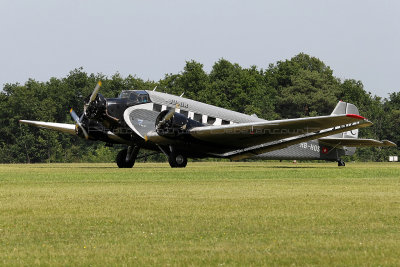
column 79, row 120
column 167, row 116
column 92, row 97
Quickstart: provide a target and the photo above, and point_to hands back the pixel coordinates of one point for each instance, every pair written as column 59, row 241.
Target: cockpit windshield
column 138, row 97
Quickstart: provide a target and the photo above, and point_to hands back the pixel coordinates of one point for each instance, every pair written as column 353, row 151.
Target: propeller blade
column 78, row 122
column 74, row 116
column 168, row 116
column 92, row 97
column 95, row 91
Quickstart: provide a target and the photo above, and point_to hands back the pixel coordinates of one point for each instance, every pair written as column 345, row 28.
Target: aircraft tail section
column 345, row 108
column 349, row 141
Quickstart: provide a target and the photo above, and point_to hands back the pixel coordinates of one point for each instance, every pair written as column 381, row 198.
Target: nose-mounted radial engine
column 92, row 121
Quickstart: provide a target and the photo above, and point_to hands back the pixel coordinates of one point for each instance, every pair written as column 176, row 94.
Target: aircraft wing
column 244, row 135
column 69, row 129
column 245, row 140
column 280, row 144
column 354, row 142
column 61, row 127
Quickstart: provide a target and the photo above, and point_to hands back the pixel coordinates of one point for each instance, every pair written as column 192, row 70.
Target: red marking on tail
column 355, row 116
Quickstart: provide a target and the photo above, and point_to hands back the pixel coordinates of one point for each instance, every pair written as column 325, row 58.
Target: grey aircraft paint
column 311, row 150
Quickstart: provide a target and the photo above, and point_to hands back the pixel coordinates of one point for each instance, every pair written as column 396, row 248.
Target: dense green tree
column 305, row 86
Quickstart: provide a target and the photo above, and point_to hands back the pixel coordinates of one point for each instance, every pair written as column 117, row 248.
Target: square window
column 157, row 107
column 184, row 112
column 210, row 120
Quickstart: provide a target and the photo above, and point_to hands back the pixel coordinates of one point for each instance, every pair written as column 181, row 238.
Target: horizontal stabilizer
column 61, row 127
column 354, row 142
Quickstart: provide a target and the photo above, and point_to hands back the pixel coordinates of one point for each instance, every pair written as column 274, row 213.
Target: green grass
column 206, row 214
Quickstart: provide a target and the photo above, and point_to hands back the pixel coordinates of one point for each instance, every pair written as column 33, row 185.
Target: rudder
column 345, row 108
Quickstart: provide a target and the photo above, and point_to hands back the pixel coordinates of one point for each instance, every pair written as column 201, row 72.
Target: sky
column 358, row 39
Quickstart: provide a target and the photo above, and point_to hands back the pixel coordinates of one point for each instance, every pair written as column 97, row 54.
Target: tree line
column 299, row 87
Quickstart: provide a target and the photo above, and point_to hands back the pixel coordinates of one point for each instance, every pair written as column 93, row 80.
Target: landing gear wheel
column 177, row 160
column 121, row 160
column 341, row 163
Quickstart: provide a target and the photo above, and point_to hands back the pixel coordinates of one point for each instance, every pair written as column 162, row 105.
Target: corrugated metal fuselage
column 212, row 115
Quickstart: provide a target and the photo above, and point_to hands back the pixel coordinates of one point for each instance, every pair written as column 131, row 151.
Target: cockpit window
column 143, row 98
column 124, row 94
column 135, row 97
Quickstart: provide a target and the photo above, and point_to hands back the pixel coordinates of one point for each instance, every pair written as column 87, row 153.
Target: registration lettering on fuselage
column 182, row 104
column 311, row 147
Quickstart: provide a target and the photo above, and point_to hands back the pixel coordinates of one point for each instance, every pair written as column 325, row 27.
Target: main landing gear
column 177, row 160
column 126, row 157
column 341, row 163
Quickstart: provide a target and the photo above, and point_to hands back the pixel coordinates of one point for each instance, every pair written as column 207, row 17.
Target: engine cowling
column 171, row 124
column 96, row 109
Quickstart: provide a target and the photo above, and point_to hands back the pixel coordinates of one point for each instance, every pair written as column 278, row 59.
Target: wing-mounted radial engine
column 172, row 124
column 170, row 127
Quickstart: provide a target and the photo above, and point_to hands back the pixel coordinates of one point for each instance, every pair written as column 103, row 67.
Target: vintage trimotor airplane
column 182, row 128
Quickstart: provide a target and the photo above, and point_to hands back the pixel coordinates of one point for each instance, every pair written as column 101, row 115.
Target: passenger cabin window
column 184, row 112
column 197, row 117
column 224, row 122
column 157, row 107
column 210, row 120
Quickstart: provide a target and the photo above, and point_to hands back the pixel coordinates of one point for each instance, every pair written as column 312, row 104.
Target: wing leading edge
column 69, row 129
column 61, row 127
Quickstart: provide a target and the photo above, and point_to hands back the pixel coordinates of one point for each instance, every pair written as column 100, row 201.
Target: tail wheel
column 177, row 160
column 121, row 160
column 341, row 163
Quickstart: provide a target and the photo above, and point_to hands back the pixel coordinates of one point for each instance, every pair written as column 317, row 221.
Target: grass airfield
column 263, row 213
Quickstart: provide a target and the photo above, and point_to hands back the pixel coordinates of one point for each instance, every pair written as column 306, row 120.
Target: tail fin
column 346, row 108
column 346, row 143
